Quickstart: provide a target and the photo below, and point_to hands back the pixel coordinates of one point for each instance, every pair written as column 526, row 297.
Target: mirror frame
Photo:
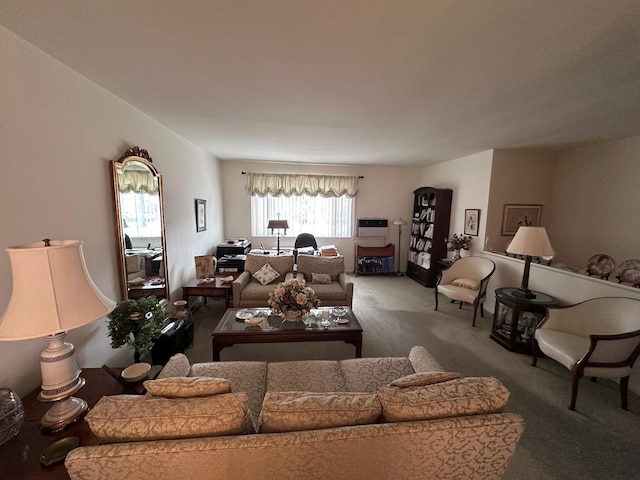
column 139, row 155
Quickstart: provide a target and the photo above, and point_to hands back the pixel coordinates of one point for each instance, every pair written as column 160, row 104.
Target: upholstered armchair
column 466, row 281
column 597, row 338
column 136, row 266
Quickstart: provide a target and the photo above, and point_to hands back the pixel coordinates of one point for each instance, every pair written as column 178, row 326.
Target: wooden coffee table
column 275, row 330
column 217, row 288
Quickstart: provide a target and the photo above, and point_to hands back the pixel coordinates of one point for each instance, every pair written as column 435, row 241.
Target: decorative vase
column 290, row 317
column 456, row 255
column 11, row 414
column 182, row 312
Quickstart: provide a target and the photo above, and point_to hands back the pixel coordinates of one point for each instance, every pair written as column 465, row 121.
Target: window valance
column 277, row 184
column 137, row 182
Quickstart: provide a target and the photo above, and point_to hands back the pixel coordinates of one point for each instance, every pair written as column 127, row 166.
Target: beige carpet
column 598, row 441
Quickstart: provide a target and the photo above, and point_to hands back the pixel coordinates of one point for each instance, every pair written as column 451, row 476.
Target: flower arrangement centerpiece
column 457, row 243
column 293, row 299
column 137, row 324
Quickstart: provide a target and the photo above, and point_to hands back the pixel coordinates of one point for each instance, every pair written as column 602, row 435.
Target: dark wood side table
column 216, row 288
column 516, row 318
column 21, row 454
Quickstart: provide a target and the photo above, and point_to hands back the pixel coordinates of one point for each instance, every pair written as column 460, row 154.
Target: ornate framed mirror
column 140, row 229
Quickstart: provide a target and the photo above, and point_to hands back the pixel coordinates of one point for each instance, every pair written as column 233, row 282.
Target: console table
column 217, row 288
column 516, row 318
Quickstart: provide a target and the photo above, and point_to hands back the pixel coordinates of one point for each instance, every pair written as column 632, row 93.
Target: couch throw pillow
column 130, row 418
column 266, row 274
column 421, row 379
column 469, row 283
column 320, row 278
column 186, row 387
column 294, row 411
column 464, row 396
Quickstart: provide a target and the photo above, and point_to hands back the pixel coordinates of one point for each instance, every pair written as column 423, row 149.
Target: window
column 320, row 216
column 141, row 214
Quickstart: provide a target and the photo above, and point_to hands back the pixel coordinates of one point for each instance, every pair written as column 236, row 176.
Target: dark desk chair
column 305, row 240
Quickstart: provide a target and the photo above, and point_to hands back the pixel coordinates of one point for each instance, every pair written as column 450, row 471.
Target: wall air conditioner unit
column 373, row 227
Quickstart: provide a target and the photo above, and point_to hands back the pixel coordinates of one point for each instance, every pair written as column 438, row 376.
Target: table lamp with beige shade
column 529, row 242
column 52, row 294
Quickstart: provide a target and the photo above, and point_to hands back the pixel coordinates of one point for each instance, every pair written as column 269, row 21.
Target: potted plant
column 137, row 324
column 293, row 299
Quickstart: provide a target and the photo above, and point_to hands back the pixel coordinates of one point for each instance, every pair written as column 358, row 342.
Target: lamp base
column 523, row 293
column 63, row 413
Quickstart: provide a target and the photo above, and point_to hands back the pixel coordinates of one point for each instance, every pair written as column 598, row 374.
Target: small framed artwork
column 471, row 221
column 516, row 216
column 201, row 215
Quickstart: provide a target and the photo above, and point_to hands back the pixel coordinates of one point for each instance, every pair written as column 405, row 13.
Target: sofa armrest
column 238, row 285
column 347, row 284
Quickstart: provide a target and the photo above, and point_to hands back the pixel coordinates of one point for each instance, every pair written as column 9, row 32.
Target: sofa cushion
column 422, row 379
column 186, row 387
column 280, row 263
column 294, row 411
column 306, row 376
column 309, row 264
column 124, row 418
column 177, row 366
column 329, row 293
column 422, row 361
column 320, row 277
column 248, row 377
column 368, row 374
column 266, row 274
column 465, row 396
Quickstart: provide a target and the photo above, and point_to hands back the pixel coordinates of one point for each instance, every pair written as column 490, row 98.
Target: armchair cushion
column 266, row 274
column 320, row 277
column 469, row 283
column 309, row 264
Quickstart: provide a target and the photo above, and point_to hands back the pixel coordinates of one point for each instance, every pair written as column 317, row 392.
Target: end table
column 516, row 318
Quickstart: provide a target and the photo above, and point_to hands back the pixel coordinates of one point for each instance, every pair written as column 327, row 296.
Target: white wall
column 58, row 133
column 519, row 176
column 469, row 177
column 595, row 202
column 384, row 192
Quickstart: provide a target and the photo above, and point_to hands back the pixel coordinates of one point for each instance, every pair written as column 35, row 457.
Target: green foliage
column 136, row 323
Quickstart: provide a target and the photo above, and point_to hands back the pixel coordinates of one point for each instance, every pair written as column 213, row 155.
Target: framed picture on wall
column 515, row 216
column 201, row 215
column 471, row 221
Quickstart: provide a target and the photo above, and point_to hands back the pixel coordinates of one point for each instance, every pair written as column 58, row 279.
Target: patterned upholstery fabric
column 422, row 361
column 249, row 292
column 294, row 411
column 186, row 387
column 474, row 447
column 247, row 377
column 320, row 277
column 310, row 264
column 134, row 417
column 422, row 379
column 280, row 263
column 177, row 366
column 465, row 396
column 368, row 374
column 305, row 376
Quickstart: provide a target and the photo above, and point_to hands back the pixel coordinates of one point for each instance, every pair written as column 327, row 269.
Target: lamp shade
column 531, row 241
column 399, row 221
column 278, row 224
column 52, row 291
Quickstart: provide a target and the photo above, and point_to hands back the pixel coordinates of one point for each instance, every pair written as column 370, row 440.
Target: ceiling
column 380, row 82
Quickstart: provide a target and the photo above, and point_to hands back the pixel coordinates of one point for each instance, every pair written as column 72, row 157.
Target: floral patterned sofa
column 373, row 418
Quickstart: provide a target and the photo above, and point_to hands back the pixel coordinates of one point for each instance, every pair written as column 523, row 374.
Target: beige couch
column 448, row 430
column 249, row 292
